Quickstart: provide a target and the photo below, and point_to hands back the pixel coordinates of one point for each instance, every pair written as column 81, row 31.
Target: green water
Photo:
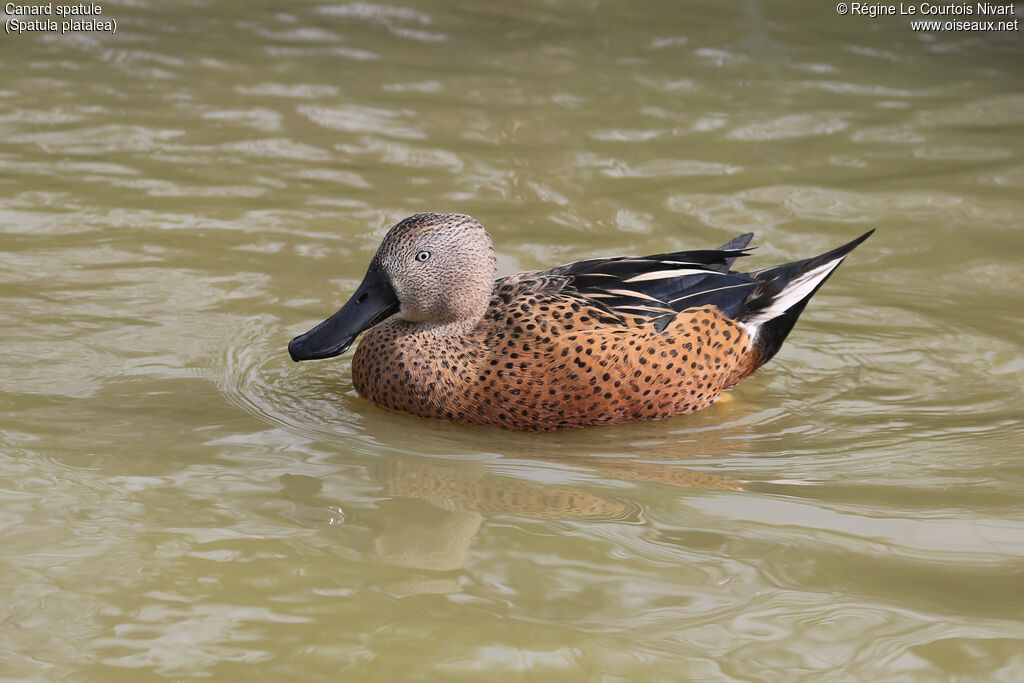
column 180, row 501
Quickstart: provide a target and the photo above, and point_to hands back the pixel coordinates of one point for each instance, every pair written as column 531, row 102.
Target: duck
column 596, row 342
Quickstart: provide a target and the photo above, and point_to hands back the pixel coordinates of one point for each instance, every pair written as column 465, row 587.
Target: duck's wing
column 738, row 243
column 654, row 289
column 661, row 285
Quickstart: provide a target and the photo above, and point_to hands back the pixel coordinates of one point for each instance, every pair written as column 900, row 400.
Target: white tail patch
column 752, row 329
column 795, row 292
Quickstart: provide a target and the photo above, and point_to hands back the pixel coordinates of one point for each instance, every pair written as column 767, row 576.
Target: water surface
column 178, row 500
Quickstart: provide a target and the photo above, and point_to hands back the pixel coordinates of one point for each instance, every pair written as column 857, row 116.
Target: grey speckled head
column 436, row 269
column 441, row 266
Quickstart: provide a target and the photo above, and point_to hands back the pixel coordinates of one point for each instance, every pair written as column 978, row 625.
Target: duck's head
column 430, row 268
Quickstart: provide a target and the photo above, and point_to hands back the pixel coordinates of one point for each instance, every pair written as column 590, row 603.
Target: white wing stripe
column 633, row 294
column 708, row 291
column 663, row 274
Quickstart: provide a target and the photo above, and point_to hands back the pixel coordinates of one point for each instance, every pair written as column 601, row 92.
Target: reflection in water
column 461, row 494
column 459, row 487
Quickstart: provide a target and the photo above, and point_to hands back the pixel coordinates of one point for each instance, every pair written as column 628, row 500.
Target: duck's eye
column 423, row 256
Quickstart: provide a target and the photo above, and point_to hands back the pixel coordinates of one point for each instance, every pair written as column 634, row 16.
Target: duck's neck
column 441, row 329
column 457, row 318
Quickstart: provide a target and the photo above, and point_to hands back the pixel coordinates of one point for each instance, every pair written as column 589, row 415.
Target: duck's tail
column 773, row 307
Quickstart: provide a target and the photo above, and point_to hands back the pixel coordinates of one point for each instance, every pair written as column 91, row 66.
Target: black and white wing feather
column 662, row 285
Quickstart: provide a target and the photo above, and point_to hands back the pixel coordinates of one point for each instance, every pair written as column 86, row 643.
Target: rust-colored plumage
column 589, row 343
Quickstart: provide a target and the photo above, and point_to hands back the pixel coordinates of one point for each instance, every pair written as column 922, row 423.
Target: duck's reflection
column 434, row 507
column 470, row 487
column 418, row 536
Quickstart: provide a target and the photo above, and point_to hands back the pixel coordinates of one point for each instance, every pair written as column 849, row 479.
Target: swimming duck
column 594, row 342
